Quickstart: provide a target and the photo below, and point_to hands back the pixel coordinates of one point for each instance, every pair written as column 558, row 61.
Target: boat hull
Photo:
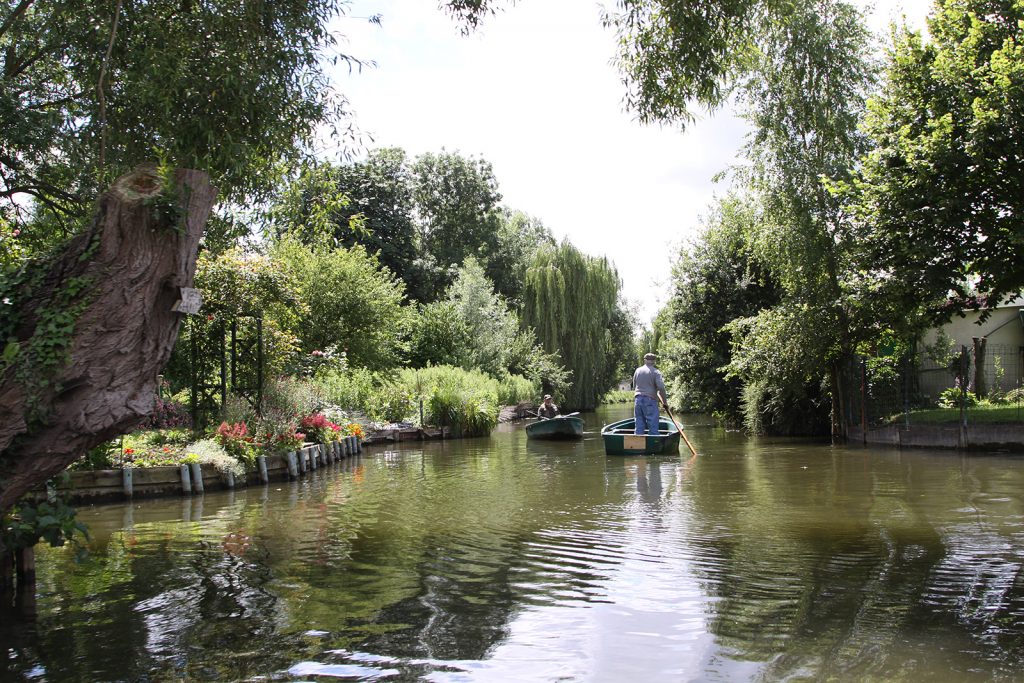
column 560, row 427
column 619, row 439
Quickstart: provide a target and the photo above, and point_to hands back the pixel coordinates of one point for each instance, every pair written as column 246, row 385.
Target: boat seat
column 661, row 432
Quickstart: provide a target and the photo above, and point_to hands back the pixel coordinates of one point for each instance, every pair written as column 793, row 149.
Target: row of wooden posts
column 21, row 562
column 299, row 462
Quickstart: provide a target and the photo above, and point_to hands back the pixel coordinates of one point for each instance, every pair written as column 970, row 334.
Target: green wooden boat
column 561, row 427
column 620, row 440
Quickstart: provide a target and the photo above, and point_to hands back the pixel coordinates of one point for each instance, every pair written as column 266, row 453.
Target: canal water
column 504, row 559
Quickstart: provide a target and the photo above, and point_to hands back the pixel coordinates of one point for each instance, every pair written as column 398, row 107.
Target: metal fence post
column 864, row 400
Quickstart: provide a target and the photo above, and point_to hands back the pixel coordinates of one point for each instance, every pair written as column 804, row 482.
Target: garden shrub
column 514, row 389
column 209, row 452
column 350, row 390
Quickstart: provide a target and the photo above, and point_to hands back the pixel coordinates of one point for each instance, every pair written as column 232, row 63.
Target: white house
column 998, row 342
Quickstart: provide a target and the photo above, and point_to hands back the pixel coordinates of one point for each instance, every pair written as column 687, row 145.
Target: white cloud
column 533, row 93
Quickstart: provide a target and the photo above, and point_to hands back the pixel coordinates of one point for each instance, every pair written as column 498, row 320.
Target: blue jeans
column 645, row 412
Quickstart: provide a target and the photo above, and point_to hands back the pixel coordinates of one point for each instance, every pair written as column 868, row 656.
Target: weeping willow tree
column 570, row 299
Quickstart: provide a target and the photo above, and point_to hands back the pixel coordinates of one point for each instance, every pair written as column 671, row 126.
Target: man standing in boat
column 547, row 409
column 648, row 391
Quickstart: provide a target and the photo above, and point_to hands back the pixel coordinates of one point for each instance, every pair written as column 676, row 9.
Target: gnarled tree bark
column 134, row 258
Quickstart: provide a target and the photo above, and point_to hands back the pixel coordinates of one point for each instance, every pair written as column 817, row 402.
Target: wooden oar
column 673, row 417
column 541, row 417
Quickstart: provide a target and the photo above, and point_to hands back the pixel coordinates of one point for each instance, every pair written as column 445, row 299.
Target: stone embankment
column 975, row 437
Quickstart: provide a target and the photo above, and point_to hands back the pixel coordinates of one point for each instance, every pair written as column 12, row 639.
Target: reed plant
column 464, row 400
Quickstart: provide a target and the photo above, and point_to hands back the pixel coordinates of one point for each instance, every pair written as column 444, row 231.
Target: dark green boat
column 561, row 427
column 620, row 440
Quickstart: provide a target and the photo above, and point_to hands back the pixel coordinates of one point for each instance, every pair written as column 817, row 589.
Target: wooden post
column 301, row 455
column 293, row 465
column 261, row 464
column 126, row 480
column 186, row 480
column 25, row 561
column 979, row 384
column 197, row 477
column 314, row 452
column 6, row 570
column 229, row 479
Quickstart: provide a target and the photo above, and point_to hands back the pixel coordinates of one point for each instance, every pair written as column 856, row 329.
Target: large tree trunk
column 134, row 258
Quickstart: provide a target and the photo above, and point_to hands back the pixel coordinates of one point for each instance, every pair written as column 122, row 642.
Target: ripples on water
column 502, row 559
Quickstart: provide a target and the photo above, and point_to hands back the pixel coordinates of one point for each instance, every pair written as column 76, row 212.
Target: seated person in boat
column 648, row 391
column 547, row 409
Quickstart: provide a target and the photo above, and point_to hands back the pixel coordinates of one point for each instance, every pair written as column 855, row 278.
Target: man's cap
column 547, row 396
column 650, row 356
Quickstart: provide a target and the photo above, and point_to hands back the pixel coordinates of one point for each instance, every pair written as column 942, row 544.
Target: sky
column 534, row 93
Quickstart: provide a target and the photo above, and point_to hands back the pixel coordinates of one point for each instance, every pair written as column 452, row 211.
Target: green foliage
column 938, row 200
column 788, row 410
column 618, row 396
column 351, row 389
column 465, row 400
column 505, row 262
column 674, row 54
column 421, row 218
column 366, row 203
column 354, row 305
column 390, row 401
column 715, row 281
column 467, row 406
column 438, row 335
column 954, row 397
column 514, row 389
column 29, row 522
column 36, row 338
column 492, row 328
column 570, row 300
column 544, row 369
column 379, row 396
column 237, row 284
column 457, row 201
column 237, row 89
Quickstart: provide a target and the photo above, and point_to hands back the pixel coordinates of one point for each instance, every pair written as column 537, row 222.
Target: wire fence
column 970, row 385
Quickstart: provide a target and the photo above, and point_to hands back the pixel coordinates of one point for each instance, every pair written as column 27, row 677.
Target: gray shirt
column 647, row 381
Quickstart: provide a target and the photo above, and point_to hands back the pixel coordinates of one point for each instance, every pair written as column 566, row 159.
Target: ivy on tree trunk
column 86, row 332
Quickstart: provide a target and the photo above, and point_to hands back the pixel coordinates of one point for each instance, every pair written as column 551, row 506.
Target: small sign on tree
column 189, row 302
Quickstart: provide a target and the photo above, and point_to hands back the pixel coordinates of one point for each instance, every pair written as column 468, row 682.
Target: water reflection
column 506, row 559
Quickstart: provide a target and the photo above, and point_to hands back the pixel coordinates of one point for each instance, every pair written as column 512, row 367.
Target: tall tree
column 457, row 210
column 493, row 328
column 92, row 87
column 812, row 79
column 675, row 54
column 570, row 300
column 800, row 73
column 355, row 306
column 367, row 202
column 84, row 335
column 715, row 281
column 518, row 239
column 939, row 201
